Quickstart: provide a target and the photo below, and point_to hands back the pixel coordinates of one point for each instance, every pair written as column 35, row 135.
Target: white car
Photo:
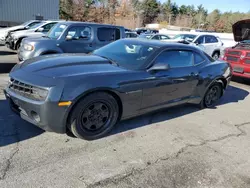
column 209, row 43
column 24, row 26
column 13, row 40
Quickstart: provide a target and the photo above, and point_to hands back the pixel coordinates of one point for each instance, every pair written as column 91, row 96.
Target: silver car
column 25, row 26
column 13, row 40
column 211, row 44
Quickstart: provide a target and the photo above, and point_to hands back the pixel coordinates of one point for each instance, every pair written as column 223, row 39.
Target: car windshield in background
column 128, row 54
column 184, row 37
column 36, row 25
column 144, row 36
column 56, row 31
column 26, row 23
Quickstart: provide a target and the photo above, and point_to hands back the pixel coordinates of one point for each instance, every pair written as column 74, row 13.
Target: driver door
column 82, row 40
column 175, row 85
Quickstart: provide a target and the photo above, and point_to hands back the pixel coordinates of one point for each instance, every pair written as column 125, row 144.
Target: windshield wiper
column 111, row 61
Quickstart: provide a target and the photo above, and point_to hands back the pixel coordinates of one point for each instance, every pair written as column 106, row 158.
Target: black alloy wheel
column 94, row 116
column 213, row 95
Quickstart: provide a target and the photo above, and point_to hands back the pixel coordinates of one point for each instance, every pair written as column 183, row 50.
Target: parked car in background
column 89, row 94
column 13, row 39
column 155, row 36
column 4, row 31
column 183, row 37
column 239, row 55
column 131, row 35
column 140, row 31
column 71, row 37
column 211, row 44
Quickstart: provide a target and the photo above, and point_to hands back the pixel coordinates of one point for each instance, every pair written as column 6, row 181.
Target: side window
column 211, row 39
column 200, row 40
column 47, row 27
column 80, row 32
column 214, row 39
column 156, row 37
column 176, row 58
column 198, row 59
column 164, row 37
column 134, row 35
column 105, row 34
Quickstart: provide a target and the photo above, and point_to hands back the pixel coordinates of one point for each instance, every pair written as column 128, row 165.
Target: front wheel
column 212, row 96
column 94, row 116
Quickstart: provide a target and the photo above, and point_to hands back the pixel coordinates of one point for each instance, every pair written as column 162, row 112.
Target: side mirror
column 69, row 37
column 40, row 29
column 159, row 67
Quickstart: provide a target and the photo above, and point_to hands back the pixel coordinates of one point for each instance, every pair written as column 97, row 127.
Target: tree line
column 138, row 13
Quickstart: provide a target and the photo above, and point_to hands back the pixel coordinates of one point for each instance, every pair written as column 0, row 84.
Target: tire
column 94, row 116
column 216, row 56
column 209, row 96
column 18, row 46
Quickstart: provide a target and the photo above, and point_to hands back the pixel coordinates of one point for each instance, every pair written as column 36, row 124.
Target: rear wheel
column 94, row 116
column 216, row 55
column 212, row 96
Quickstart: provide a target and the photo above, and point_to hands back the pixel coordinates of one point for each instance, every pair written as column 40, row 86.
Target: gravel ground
column 178, row 147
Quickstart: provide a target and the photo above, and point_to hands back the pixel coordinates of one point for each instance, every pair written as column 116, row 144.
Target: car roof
column 160, row 44
column 89, row 23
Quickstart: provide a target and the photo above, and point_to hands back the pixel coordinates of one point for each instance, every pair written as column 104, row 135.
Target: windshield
column 26, row 23
column 36, row 25
column 128, row 54
column 145, row 36
column 56, row 31
column 181, row 36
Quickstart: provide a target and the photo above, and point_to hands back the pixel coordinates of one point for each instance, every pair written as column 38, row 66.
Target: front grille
column 20, row 88
column 231, row 58
column 234, row 52
column 247, row 61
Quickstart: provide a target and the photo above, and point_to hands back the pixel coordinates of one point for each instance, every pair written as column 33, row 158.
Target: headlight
column 39, row 94
column 28, row 47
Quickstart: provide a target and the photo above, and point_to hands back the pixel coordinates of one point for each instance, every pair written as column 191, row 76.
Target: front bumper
column 244, row 74
column 10, row 43
column 46, row 115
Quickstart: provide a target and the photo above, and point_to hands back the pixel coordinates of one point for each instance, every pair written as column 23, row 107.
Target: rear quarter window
column 106, row 34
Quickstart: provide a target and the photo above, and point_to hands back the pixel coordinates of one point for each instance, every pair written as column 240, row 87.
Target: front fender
column 44, row 50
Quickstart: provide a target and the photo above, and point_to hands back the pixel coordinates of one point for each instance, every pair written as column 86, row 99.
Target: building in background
column 13, row 12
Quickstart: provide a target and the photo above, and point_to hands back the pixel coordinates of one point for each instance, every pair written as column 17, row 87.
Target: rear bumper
column 46, row 115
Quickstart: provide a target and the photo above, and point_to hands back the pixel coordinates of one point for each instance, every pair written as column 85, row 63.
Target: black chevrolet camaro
column 89, row 94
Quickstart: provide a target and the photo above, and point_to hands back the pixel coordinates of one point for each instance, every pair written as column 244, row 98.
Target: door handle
column 90, row 45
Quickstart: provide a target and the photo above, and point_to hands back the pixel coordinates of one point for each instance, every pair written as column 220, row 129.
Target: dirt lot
column 178, row 147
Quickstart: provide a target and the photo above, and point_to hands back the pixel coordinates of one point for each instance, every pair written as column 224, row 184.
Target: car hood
column 36, row 40
column 29, row 32
column 241, row 30
column 66, row 65
column 6, row 29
